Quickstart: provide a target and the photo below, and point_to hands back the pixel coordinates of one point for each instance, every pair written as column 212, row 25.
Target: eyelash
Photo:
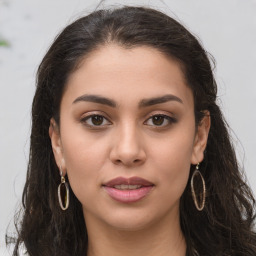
column 170, row 120
column 85, row 119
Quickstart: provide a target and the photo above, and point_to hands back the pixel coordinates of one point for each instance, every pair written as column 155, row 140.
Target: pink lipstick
column 128, row 190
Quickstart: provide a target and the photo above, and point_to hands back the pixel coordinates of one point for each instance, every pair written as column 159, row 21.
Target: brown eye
column 95, row 120
column 160, row 120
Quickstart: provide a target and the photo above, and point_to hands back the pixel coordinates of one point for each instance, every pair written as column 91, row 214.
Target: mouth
column 128, row 190
column 127, row 187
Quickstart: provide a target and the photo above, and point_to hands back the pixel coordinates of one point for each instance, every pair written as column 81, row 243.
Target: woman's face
column 127, row 136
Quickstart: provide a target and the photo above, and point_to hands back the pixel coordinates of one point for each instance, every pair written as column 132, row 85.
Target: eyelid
column 84, row 118
column 170, row 119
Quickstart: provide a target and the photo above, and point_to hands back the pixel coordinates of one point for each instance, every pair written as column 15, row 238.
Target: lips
column 128, row 190
column 128, row 181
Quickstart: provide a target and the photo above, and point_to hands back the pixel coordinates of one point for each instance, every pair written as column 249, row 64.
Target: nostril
column 132, row 162
column 118, row 161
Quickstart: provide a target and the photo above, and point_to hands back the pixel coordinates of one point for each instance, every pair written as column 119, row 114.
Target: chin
column 131, row 225
column 133, row 219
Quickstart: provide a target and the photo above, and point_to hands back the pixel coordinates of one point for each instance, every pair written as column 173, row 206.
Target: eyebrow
column 96, row 99
column 158, row 100
column 143, row 103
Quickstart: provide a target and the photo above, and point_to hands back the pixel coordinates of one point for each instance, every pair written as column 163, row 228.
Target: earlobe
column 201, row 138
column 54, row 134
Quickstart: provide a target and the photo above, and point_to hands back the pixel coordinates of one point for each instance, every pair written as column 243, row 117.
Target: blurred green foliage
column 4, row 43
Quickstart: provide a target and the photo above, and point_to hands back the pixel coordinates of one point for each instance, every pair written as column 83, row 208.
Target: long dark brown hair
column 224, row 227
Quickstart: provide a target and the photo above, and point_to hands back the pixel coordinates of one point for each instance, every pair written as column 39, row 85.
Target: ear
column 54, row 134
column 201, row 138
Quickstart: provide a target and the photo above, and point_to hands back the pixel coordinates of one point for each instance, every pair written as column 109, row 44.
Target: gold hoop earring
column 66, row 197
column 201, row 195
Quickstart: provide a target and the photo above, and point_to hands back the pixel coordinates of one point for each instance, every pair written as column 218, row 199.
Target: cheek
column 172, row 159
column 81, row 149
column 84, row 159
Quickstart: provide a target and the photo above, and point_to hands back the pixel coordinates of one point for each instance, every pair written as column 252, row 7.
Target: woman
column 129, row 152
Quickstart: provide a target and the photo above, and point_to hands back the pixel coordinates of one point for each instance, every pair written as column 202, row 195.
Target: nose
column 128, row 149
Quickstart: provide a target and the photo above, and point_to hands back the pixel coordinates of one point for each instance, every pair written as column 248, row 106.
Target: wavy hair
column 224, row 227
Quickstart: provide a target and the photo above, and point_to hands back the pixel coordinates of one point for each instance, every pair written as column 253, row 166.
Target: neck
column 163, row 238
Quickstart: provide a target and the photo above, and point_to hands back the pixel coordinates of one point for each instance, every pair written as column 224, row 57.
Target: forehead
column 123, row 73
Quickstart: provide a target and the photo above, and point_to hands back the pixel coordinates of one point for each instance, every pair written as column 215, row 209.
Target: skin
column 129, row 143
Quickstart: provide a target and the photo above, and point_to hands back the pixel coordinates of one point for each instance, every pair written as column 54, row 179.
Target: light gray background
column 227, row 29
